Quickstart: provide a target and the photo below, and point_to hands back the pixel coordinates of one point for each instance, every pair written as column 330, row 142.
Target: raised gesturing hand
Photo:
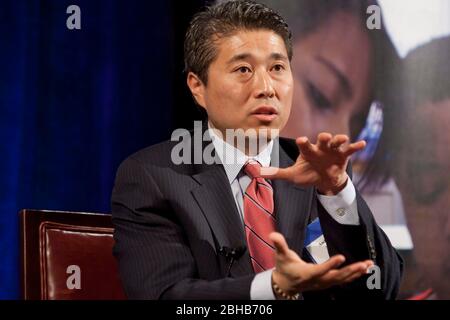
column 322, row 164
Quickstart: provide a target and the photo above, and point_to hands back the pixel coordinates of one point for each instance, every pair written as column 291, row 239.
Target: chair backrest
column 68, row 255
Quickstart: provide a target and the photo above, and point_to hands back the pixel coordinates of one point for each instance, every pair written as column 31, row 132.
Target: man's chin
column 264, row 125
column 255, row 130
column 263, row 132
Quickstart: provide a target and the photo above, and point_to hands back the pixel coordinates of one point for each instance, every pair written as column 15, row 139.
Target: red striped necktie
column 259, row 219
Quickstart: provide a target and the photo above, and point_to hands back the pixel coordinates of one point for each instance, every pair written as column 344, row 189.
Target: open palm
column 299, row 276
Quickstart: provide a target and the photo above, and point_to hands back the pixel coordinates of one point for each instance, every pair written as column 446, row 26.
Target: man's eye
column 278, row 67
column 243, row 70
column 318, row 98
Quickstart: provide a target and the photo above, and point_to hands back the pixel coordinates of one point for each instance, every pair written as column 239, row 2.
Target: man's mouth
column 265, row 113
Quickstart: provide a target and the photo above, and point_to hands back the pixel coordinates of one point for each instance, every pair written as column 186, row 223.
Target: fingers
column 354, row 147
column 357, row 270
column 338, row 140
column 327, row 142
column 323, row 141
column 352, row 271
column 306, row 148
column 346, row 274
column 330, row 264
column 369, row 263
column 356, row 275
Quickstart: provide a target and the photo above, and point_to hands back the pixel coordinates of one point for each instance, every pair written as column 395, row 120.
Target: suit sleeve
column 154, row 256
column 361, row 242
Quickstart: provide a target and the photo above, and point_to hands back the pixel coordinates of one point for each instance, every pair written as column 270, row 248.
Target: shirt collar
column 234, row 159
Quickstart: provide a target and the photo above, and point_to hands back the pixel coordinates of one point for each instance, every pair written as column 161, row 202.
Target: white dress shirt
column 342, row 207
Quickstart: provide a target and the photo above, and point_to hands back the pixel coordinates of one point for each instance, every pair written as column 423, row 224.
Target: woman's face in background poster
column 332, row 71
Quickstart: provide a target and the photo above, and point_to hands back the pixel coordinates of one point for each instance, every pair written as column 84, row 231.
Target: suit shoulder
column 158, row 154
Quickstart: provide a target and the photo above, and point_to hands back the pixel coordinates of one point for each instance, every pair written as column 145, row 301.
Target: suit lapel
column 216, row 201
column 217, row 204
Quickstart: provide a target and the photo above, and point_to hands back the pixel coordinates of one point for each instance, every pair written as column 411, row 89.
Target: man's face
column 249, row 84
column 332, row 78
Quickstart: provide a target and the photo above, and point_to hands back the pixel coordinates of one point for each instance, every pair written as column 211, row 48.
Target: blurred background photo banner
column 379, row 71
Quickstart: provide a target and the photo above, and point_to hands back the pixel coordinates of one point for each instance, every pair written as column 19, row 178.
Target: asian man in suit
column 235, row 227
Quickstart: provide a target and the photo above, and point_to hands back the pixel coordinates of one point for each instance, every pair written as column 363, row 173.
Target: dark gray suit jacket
column 171, row 222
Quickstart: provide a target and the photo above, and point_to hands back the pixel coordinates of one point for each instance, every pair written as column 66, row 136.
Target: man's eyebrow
column 343, row 80
column 279, row 56
column 244, row 56
column 238, row 57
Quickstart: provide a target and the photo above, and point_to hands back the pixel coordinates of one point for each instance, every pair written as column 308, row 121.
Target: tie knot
column 252, row 168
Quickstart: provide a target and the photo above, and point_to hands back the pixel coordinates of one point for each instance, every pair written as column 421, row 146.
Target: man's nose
column 264, row 85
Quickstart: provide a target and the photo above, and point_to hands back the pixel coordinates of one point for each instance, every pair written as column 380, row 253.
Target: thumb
column 280, row 243
column 274, row 173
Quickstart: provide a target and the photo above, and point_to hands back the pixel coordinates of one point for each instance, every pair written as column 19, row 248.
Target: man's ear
column 197, row 89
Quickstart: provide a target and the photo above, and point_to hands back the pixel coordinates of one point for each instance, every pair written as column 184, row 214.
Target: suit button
column 340, row 212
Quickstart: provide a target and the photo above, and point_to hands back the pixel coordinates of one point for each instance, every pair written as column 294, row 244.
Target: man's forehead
column 245, row 44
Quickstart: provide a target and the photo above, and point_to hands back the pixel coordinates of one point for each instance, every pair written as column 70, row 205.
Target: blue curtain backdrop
column 75, row 103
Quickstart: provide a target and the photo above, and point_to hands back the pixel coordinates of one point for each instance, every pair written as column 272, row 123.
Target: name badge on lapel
column 315, row 244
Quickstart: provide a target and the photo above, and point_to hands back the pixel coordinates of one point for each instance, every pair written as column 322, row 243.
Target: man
column 221, row 230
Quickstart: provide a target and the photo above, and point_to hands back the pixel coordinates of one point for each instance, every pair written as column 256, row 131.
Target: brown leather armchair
column 68, row 255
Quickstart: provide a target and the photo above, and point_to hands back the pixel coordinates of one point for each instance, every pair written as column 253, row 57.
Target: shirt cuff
column 342, row 207
column 261, row 288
